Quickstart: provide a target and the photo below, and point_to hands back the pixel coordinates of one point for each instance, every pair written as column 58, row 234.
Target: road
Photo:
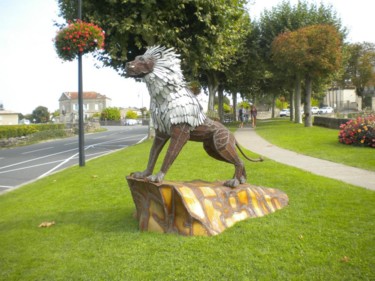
column 25, row 164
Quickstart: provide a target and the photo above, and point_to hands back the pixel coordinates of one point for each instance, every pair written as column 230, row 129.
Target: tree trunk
column 220, row 102
column 291, row 99
column 213, row 85
column 273, row 106
column 234, row 97
column 307, row 106
column 297, row 101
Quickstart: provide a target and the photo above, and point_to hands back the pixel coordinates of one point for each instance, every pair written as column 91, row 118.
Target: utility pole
column 81, row 124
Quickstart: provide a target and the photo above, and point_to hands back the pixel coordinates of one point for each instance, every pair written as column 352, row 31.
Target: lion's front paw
column 140, row 175
column 232, row 183
column 159, row 177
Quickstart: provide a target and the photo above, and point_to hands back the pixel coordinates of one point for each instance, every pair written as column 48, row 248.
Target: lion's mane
column 171, row 101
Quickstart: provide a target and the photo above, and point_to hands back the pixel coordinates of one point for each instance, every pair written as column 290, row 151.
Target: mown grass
column 326, row 232
column 315, row 141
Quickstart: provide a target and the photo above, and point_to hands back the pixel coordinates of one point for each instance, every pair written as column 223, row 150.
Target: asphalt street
column 25, row 164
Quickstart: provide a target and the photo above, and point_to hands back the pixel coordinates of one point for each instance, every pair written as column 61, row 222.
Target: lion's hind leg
column 222, row 147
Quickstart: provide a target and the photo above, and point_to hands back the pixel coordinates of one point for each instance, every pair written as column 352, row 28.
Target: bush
column 15, row 131
column 359, row 131
column 50, row 134
column 111, row 113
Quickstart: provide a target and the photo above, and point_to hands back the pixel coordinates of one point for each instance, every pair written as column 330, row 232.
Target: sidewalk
column 249, row 139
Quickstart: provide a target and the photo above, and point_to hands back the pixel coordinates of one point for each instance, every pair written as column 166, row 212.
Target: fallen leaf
column 47, row 224
column 345, row 259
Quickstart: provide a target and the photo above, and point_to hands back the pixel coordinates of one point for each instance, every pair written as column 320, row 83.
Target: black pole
column 81, row 127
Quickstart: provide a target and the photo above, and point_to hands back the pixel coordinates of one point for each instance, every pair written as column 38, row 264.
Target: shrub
column 111, row 113
column 15, row 131
column 359, row 131
column 131, row 114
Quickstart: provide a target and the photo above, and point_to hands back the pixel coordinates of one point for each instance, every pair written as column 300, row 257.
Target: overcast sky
column 31, row 74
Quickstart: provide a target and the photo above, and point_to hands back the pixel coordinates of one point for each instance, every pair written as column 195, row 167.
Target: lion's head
column 140, row 67
column 160, row 61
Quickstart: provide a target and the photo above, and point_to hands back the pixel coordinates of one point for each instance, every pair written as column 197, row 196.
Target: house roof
column 8, row 112
column 86, row 96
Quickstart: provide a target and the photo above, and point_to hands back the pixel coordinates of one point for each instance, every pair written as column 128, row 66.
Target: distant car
column 314, row 110
column 130, row 122
column 285, row 112
column 25, row 121
column 325, row 110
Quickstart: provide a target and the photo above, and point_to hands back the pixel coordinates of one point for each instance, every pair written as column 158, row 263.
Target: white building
column 343, row 99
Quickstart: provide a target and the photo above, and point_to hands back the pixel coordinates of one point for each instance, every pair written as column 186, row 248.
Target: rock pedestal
column 198, row 207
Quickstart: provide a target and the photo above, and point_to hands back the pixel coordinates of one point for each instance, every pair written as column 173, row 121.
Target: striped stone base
column 200, row 208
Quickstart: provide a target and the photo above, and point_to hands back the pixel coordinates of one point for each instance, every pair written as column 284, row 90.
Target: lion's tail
column 260, row 159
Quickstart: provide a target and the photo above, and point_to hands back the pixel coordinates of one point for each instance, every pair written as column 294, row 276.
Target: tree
column 111, row 113
column 283, row 18
column 40, row 114
column 360, row 65
column 130, row 114
column 55, row 114
column 311, row 53
column 205, row 33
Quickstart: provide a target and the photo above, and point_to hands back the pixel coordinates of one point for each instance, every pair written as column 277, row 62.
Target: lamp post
column 81, row 127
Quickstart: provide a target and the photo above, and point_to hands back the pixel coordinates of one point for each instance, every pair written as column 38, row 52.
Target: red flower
column 78, row 37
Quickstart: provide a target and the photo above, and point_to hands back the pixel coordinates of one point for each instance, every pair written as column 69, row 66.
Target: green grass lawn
column 326, row 232
column 315, row 141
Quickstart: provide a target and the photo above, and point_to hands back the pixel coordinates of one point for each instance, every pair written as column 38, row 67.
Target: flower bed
column 78, row 38
column 359, row 131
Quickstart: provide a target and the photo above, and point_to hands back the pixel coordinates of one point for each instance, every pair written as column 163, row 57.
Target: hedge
column 14, row 131
column 329, row 122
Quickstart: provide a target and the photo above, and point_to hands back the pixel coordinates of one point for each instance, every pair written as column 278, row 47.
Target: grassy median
column 315, row 141
column 326, row 232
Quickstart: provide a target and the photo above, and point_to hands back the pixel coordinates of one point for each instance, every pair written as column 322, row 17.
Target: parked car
column 25, row 121
column 314, row 110
column 130, row 122
column 285, row 112
column 325, row 110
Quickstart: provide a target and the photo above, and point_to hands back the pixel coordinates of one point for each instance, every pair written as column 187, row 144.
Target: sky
column 32, row 75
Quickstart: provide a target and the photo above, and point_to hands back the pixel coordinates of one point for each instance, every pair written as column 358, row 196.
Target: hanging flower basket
column 78, row 37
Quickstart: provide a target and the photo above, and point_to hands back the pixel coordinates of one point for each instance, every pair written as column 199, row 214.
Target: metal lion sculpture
column 178, row 116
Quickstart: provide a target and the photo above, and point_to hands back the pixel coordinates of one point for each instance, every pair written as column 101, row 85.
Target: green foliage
column 207, row 34
column 13, row 131
column 227, row 108
column 288, row 18
column 40, row 114
column 285, row 17
column 326, row 232
column 244, row 104
column 281, row 103
column 204, row 32
column 111, row 113
column 360, row 65
column 49, row 135
column 56, row 113
column 314, row 51
column 130, row 114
